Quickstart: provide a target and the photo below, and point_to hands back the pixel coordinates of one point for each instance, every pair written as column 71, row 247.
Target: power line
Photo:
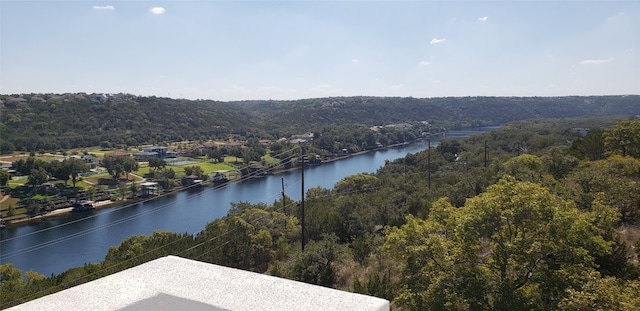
column 61, row 239
column 64, row 285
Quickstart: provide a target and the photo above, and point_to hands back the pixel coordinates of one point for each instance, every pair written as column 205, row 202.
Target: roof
column 174, row 283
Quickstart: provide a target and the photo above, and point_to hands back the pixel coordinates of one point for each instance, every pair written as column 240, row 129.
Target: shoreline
column 110, row 203
column 57, row 213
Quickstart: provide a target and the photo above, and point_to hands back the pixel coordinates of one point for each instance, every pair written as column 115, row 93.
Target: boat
column 220, row 179
column 82, row 206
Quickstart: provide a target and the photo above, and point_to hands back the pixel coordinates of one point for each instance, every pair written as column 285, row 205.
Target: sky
column 252, row 50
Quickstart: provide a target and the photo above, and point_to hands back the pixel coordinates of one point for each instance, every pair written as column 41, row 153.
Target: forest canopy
column 531, row 216
column 51, row 122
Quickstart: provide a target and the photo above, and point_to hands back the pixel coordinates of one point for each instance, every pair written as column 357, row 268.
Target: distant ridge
column 33, row 122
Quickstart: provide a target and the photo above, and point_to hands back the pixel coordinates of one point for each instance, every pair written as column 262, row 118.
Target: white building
column 174, row 283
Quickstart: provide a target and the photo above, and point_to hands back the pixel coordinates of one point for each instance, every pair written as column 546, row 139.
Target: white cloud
column 436, row 40
column 104, row 7
column 595, row 61
column 157, row 10
column 355, row 60
column 424, row 63
column 396, row 87
column 483, row 19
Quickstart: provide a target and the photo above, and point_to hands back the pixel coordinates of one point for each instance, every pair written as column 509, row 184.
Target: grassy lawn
column 142, row 171
column 231, row 159
column 94, row 178
column 9, row 202
column 208, row 167
column 14, row 183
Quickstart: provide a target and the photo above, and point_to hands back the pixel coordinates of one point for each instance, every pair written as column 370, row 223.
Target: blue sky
column 238, row 50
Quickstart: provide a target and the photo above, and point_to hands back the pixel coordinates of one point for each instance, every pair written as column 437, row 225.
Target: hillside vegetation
column 52, row 122
column 528, row 217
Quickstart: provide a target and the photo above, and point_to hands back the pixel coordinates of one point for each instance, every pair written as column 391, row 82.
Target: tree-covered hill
column 549, row 225
column 453, row 110
column 34, row 122
column 51, row 122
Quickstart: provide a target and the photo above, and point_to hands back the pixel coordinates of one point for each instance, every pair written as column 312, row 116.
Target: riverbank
column 56, row 213
column 130, row 201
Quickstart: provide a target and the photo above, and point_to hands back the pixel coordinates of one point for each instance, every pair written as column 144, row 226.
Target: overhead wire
column 115, row 222
column 204, row 252
column 122, row 263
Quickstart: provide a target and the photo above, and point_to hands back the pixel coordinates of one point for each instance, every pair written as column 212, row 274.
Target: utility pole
column 429, row 161
column 284, row 205
column 302, row 202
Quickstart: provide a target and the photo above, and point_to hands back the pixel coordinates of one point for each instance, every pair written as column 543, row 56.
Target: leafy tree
column 603, row 294
column 157, row 163
column 590, row 147
column 37, row 177
column 194, row 170
column 122, row 189
column 376, row 286
column 516, row 246
column 75, row 167
column 623, row 138
column 556, row 162
column 358, row 183
column 526, row 167
column 10, row 280
column 118, row 165
column 129, row 165
column 315, row 264
column 361, row 248
column 25, row 166
column 134, row 189
column 4, row 178
column 236, row 152
column 58, row 171
column 113, row 166
column 216, row 154
column 616, row 178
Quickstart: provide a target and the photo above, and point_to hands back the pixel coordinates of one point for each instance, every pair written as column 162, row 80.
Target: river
column 55, row 245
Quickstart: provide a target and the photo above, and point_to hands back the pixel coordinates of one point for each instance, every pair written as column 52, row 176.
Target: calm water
column 70, row 241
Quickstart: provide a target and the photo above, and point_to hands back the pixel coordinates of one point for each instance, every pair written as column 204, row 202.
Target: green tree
column 11, row 281
column 315, row 264
column 129, row 165
column 116, row 166
column 361, row 248
column 4, row 178
column 59, row 171
column 514, row 247
column 623, row 138
column 603, row 294
column 113, row 166
column 590, row 147
column 157, row 163
column 75, row 167
column 525, row 167
column 37, row 177
column 557, row 162
column 194, row 170
column 122, row 189
column 134, row 189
